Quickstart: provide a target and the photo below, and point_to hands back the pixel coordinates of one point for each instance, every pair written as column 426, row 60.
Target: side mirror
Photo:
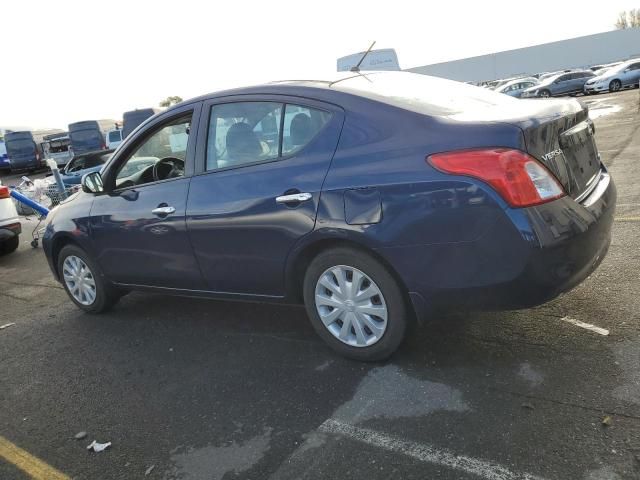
column 92, row 183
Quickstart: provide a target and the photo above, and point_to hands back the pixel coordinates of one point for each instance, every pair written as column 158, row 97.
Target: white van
column 113, row 138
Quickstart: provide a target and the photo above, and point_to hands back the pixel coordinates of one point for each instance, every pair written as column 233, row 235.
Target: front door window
column 160, row 156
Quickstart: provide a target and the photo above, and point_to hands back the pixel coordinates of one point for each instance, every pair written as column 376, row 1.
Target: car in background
column 57, row 148
column 562, row 84
column 595, row 68
column 83, row 164
column 515, row 87
column 5, row 164
column 625, row 75
column 113, row 138
column 370, row 198
column 89, row 135
column 24, row 152
column 133, row 118
column 10, row 227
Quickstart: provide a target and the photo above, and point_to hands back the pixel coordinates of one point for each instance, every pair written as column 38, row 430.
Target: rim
column 615, row 85
column 79, row 280
column 351, row 306
column 545, row 94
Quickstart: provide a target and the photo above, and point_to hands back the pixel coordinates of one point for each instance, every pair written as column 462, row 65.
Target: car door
column 631, row 74
column 262, row 161
column 560, row 85
column 138, row 225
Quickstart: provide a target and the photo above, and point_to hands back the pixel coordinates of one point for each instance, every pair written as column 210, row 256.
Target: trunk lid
column 558, row 133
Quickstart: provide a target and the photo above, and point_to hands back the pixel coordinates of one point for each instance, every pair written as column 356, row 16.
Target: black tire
column 545, row 94
column 106, row 295
column 615, row 86
column 9, row 246
column 392, row 292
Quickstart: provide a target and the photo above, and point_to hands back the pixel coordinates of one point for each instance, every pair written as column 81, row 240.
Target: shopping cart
column 37, row 198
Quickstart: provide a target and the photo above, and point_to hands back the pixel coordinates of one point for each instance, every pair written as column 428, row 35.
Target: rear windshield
column 421, row 93
column 58, row 146
column 20, row 146
column 115, row 136
column 86, row 139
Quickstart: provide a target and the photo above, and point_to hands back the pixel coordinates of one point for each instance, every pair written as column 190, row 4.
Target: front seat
column 242, row 144
column 300, row 130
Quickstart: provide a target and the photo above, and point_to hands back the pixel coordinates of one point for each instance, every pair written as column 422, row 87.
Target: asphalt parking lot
column 198, row 389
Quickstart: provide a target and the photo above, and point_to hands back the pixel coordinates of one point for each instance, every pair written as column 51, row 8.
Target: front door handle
column 294, row 198
column 163, row 211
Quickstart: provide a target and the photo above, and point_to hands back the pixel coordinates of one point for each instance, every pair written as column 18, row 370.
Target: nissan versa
column 371, row 198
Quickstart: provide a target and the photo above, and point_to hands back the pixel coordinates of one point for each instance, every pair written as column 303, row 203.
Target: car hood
column 602, row 78
column 76, row 177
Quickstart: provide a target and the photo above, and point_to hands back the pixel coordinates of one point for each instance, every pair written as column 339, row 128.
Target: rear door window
column 244, row 133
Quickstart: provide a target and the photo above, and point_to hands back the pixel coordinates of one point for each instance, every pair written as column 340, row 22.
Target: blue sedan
column 371, row 198
column 82, row 164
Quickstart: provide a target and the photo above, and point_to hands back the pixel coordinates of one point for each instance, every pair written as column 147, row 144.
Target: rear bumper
column 527, row 258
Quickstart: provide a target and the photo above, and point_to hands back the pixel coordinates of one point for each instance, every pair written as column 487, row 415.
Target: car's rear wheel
column 355, row 304
column 615, row 85
column 84, row 282
column 545, row 93
column 9, row 246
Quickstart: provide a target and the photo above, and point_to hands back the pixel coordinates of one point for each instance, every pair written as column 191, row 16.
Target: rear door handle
column 163, row 211
column 294, row 198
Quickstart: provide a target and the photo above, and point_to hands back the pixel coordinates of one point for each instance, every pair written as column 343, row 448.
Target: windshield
column 421, row 93
column 22, row 146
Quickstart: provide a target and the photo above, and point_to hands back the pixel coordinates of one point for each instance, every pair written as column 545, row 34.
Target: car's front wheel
column 83, row 281
column 615, row 86
column 545, row 93
column 355, row 304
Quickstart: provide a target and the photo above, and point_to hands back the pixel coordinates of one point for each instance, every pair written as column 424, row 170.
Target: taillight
column 519, row 178
column 4, row 192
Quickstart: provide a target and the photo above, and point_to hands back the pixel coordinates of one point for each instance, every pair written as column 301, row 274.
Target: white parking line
column 425, row 453
column 586, row 326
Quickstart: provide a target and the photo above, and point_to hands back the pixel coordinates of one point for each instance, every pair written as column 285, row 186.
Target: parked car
column 113, row 138
column 5, row 164
column 89, row 135
column 595, row 68
column 83, row 164
column 625, row 75
column 57, row 148
column 516, row 87
column 133, row 118
column 570, row 83
column 10, row 227
column 23, row 150
column 369, row 197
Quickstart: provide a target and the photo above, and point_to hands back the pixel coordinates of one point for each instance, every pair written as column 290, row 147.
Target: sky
column 64, row 61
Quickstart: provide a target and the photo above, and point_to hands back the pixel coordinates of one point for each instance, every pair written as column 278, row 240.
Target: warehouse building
column 577, row 52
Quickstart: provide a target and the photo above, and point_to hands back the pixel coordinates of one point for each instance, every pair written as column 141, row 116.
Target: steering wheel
column 168, row 167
